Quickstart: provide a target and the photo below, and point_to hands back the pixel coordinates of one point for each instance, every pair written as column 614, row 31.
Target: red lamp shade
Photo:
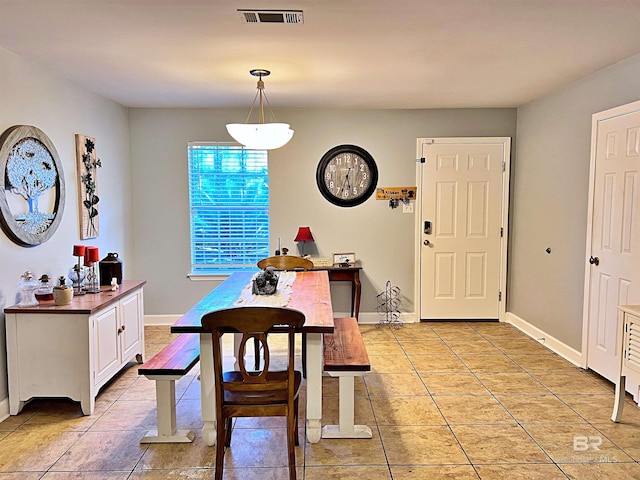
column 78, row 250
column 304, row 235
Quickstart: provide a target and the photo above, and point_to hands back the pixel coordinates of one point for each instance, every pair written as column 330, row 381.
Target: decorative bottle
column 44, row 291
column 27, row 288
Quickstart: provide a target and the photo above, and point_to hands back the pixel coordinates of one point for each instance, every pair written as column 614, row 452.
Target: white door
column 463, row 195
column 613, row 271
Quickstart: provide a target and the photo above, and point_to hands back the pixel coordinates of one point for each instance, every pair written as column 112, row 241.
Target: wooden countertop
column 84, row 304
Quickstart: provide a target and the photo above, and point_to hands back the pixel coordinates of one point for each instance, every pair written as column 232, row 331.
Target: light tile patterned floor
column 444, row 401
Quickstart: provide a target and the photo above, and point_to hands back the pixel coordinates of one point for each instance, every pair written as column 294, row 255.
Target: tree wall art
column 32, row 187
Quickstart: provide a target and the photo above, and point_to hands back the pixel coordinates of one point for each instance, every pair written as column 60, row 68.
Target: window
column 229, row 207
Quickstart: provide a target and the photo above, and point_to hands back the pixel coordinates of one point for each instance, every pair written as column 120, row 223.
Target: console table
column 347, row 274
column 629, row 341
column 73, row 350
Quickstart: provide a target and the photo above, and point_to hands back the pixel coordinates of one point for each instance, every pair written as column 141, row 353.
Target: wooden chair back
column 268, row 392
column 285, row 262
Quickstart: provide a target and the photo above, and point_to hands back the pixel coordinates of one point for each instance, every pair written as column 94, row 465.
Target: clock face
column 347, row 175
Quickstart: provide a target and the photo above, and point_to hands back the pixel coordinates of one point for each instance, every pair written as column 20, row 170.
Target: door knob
column 594, row 261
column 426, row 243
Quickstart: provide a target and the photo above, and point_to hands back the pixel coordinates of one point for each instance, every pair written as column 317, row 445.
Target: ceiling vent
column 271, row 16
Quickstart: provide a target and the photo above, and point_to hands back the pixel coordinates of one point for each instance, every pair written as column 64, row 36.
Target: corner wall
column 549, row 199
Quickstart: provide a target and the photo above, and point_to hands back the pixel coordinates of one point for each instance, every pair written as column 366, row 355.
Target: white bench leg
column 166, row 408
column 346, row 428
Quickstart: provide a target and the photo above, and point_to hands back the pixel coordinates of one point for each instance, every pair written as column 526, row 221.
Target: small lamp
column 304, row 235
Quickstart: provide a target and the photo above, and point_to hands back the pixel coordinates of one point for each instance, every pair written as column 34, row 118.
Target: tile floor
column 444, row 401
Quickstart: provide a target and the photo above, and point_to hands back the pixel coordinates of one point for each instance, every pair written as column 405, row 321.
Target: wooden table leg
column 356, row 294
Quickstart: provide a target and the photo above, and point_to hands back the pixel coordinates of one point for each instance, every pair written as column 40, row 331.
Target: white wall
column 381, row 238
column 31, row 95
column 549, row 199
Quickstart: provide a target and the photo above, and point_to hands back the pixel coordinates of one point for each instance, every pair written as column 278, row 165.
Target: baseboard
column 4, row 409
column 373, row 318
column 160, row 320
column 553, row 344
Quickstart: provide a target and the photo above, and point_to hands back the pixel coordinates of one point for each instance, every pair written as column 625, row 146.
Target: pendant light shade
column 260, row 136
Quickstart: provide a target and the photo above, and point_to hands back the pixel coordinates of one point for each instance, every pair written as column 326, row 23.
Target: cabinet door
column 131, row 335
column 107, row 349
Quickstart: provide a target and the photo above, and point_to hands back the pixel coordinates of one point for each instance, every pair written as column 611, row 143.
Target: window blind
column 229, row 207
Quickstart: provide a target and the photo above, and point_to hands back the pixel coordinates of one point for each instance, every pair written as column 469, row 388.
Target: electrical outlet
column 407, row 207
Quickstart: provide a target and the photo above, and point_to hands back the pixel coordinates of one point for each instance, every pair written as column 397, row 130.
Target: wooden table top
column 310, row 294
column 83, row 304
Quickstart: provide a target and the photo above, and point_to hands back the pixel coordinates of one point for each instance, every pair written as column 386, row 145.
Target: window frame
column 249, row 171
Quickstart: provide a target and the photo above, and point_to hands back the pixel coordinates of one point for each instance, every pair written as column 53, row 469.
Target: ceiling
column 346, row 53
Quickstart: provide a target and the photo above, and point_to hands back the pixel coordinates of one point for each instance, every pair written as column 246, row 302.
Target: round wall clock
column 347, row 175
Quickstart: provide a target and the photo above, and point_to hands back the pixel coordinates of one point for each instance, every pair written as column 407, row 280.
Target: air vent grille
column 291, row 17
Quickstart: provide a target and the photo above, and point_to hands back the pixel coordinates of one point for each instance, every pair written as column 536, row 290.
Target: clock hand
column 346, row 178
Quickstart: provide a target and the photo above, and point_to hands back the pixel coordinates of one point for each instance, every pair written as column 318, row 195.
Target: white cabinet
column 73, row 350
column 629, row 368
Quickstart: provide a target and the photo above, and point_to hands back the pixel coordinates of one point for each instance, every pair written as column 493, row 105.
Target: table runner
column 279, row 299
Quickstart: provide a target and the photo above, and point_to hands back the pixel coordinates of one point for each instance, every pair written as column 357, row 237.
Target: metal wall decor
column 88, row 164
column 32, row 187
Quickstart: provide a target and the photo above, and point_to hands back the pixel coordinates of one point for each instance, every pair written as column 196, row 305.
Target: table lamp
column 304, row 235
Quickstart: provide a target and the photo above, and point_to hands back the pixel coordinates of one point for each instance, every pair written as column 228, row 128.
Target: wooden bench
column 168, row 365
column 345, row 356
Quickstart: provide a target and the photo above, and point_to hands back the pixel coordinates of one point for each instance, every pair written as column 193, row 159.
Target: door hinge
column 499, row 296
column 504, row 166
column 420, row 160
column 501, row 232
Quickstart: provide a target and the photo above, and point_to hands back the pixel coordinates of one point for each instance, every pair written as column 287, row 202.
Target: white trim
column 372, row 318
column 4, row 409
column 595, row 119
column 208, row 277
column 504, row 240
column 553, row 344
column 160, row 320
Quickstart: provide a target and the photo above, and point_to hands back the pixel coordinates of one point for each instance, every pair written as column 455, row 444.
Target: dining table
column 310, row 294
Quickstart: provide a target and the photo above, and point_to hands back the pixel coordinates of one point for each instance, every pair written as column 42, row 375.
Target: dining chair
column 286, row 263
column 264, row 393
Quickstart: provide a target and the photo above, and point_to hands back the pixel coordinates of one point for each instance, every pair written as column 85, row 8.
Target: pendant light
column 260, row 136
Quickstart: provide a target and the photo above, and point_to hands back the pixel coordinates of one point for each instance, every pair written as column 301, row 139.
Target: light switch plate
column 407, row 207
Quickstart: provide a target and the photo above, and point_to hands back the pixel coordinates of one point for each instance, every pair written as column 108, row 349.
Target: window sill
column 207, row 277
column 215, row 276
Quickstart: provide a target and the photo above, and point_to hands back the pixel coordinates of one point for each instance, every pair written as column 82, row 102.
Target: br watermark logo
column 586, row 448
column 583, row 443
